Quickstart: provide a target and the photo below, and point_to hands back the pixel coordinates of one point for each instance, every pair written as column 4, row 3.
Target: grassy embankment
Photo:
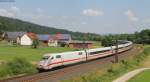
column 115, row 70
column 144, row 76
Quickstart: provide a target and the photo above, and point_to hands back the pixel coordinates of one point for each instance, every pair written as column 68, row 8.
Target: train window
column 97, row 52
column 58, row 56
column 80, row 53
column 45, row 58
column 52, row 58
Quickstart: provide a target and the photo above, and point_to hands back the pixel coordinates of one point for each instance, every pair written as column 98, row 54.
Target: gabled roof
column 14, row 35
column 45, row 37
column 62, row 36
column 81, row 42
column 32, row 35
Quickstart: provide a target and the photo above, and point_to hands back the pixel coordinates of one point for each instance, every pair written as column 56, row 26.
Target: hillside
column 10, row 24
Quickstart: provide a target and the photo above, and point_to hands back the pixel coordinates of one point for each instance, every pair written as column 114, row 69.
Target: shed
column 80, row 44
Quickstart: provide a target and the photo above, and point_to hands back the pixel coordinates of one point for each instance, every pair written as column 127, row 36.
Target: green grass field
column 142, row 77
column 8, row 52
column 97, row 44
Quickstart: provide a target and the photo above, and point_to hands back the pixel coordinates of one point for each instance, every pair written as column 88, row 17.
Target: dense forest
column 10, row 24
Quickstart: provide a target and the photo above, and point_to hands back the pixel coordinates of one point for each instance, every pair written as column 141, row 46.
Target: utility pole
column 84, row 46
column 116, row 52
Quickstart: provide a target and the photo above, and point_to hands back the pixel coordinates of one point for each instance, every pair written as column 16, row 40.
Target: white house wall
column 52, row 43
column 25, row 40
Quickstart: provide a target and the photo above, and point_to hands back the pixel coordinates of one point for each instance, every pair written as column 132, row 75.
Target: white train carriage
column 52, row 60
column 58, row 59
column 99, row 52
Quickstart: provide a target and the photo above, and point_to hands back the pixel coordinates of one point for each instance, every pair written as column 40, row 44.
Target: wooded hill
column 11, row 24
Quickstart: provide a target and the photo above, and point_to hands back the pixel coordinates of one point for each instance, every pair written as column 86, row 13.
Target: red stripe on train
column 76, row 59
column 108, row 52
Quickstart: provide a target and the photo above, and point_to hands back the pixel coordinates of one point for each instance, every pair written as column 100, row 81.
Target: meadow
column 21, row 60
column 9, row 52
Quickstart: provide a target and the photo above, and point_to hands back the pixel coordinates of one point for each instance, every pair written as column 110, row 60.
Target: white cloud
column 4, row 12
column 15, row 9
column 92, row 12
column 131, row 15
column 10, row 12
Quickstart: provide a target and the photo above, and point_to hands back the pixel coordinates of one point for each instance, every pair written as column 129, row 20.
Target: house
column 80, row 44
column 53, row 39
column 62, row 37
column 13, row 36
column 52, row 42
column 46, row 40
column 43, row 38
column 28, row 38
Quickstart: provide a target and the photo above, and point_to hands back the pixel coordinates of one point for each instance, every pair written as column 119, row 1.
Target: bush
column 15, row 67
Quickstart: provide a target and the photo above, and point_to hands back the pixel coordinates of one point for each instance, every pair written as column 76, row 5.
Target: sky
column 95, row 16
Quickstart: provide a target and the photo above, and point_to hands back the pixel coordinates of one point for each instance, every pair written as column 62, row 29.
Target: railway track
column 62, row 73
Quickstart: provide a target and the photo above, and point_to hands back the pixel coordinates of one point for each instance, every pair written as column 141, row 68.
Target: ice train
column 52, row 60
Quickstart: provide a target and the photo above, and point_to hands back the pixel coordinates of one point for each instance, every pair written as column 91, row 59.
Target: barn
column 80, row 44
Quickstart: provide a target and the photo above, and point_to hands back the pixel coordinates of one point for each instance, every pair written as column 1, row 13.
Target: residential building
column 28, row 38
column 13, row 37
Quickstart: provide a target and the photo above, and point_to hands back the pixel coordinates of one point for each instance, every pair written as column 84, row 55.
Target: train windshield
column 45, row 57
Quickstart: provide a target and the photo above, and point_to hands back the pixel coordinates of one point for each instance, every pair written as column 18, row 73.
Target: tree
column 145, row 36
column 107, row 40
column 35, row 43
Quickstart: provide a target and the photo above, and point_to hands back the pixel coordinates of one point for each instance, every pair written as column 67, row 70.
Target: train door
column 57, row 61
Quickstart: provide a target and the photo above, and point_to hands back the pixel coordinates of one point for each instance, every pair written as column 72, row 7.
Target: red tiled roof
column 33, row 36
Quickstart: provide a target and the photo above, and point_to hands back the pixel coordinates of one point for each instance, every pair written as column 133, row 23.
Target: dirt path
column 129, row 75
